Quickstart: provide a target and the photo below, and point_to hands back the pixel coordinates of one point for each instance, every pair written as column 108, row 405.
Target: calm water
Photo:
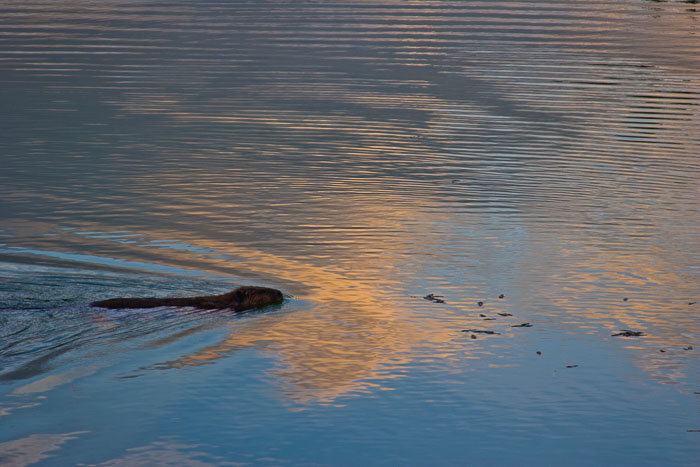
column 358, row 156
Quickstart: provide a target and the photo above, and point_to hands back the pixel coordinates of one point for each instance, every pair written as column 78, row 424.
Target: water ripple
column 358, row 155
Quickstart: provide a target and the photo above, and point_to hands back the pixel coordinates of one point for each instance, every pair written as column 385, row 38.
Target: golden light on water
column 533, row 164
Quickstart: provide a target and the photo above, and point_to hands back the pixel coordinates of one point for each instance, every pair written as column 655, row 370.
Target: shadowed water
column 357, row 156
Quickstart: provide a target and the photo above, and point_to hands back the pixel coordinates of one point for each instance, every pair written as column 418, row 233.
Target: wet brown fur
column 241, row 299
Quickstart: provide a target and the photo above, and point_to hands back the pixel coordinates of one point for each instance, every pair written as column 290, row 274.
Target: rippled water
column 358, row 156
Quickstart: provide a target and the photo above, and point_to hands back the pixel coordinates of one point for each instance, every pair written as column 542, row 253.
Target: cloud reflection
column 34, row 448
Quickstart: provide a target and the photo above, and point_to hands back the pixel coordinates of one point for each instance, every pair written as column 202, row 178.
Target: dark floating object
column 571, row 366
column 690, row 347
column 692, row 303
column 482, row 315
column 241, row 299
column 480, row 331
column 504, row 314
column 480, row 303
column 662, row 350
column 524, row 325
column 501, row 296
column 489, row 319
column 539, row 353
column 625, row 299
column 473, row 336
column 693, row 431
column 434, row 298
column 628, row 333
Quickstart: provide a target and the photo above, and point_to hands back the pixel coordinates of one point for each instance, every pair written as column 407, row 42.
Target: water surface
column 358, row 156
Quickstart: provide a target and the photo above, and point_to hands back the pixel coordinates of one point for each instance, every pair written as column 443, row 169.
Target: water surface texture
column 358, row 156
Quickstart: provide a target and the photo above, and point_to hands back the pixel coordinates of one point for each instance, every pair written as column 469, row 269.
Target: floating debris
column 539, row 353
column 480, row 303
column 482, row 315
column 501, row 296
column 435, row 298
column 473, row 336
column 690, row 347
column 692, row 303
column 662, row 350
column 571, row 366
column 625, row 299
column 489, row 319
column 480, row 331
column 504, row 314
column 524, row 325
column 628, row 333
column 693, row 431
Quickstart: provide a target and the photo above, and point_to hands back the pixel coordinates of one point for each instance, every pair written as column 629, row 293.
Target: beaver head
column 251, row 297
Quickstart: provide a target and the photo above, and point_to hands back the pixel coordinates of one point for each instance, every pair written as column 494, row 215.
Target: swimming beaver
column 243, row 298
